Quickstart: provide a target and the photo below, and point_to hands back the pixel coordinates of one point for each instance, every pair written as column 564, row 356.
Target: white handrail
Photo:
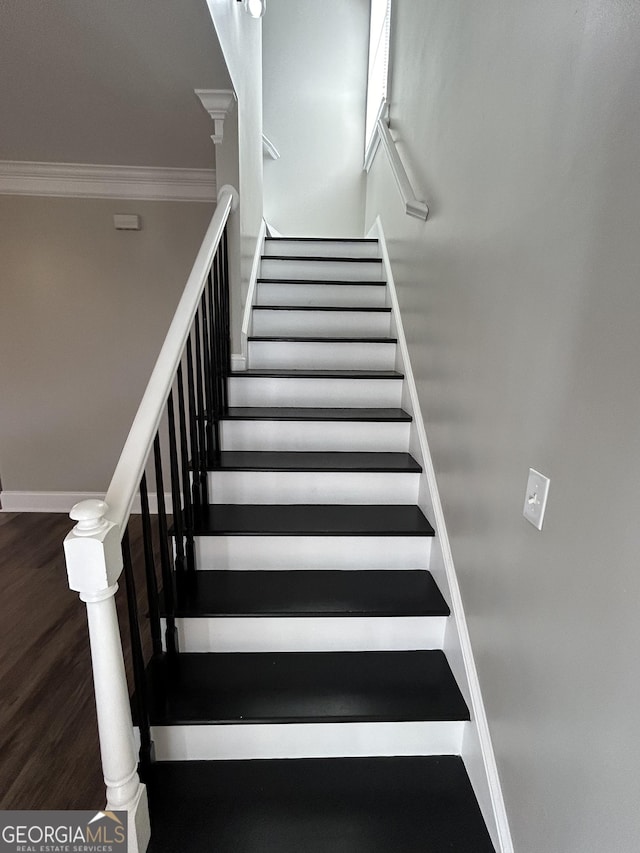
column 382, row 134
column 133, row 459
column 269, row 148
column 413, row 207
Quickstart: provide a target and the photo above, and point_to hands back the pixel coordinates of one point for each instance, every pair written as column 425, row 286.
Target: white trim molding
column 238, row 362
column 86, row 180
column 218, row 103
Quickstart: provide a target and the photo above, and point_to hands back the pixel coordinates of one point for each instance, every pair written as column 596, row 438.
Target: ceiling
column 108, row 81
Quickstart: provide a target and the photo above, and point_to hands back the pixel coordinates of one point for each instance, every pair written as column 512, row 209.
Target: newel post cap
column 92, row 549
column 90, row 515
column 233, row 192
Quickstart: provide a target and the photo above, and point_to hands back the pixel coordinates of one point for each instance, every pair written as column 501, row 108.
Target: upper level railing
column 382, row 136
column 174, row 438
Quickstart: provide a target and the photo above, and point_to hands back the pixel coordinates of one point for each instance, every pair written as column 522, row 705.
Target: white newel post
column 94, row 564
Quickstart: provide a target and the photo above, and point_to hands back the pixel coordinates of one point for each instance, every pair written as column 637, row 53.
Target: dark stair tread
column 318, row 374
column 327, row 592
column 303, row 687
column 321, row 239
column 323, row 340
column 347, row 308
column 312, row 520
column 274, row 413
column 350, row 805
column 285, row 460
column 316, row 258
column 281, row 280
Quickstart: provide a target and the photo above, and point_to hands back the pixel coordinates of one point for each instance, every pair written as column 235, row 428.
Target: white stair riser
column 316, row 435
column 312, row 552
column 310, row 634
column 323, row 248
column 319, row 295
column 322, row 323
column 315, row 392
column 312, row 487
column 329, row 269
column 319, row 355
column 305, row 740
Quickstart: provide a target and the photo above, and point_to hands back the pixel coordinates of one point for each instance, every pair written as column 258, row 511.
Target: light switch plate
column 126, row 221
column 535, row 499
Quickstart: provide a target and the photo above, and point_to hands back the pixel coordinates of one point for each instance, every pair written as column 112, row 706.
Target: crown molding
column 218, row 103
column 81, row 180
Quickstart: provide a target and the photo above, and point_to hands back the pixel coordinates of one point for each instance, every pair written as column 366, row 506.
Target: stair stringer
column 477, row 748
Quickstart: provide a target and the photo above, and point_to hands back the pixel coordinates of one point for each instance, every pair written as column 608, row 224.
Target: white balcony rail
column 382, row 136
column 97, row 549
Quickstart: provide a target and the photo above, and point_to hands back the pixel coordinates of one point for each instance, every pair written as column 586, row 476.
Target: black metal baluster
column 176, row 501
column 193, row 432
column 219, row 331
column 208, row 382
column 146, row 744
column 214, row 359
column 150, row 570
column 201, row 414
column 186, row 484
column 227, row 320
column 170, row 635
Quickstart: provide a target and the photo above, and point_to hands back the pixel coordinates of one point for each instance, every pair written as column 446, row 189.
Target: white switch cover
column 126, row 221
column 535, row 499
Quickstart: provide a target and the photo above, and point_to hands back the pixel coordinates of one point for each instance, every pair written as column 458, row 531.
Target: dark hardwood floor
column 49, row 753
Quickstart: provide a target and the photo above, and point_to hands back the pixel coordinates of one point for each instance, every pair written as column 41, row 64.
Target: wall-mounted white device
column 535, row 499
column 126, row 221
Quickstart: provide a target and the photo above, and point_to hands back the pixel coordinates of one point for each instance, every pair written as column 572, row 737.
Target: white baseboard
column 480, row 758
column 63, row 501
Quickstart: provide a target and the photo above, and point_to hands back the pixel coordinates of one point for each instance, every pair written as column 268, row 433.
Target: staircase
column 311, row 707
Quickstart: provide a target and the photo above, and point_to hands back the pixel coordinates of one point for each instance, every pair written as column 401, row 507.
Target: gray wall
column 84, row 311
column 315, row 76
column 520, row 123
column 96, row 82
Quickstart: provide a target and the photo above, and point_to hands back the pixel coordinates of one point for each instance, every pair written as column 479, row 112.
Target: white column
column 94, row 563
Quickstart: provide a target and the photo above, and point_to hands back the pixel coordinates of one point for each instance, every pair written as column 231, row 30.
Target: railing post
column 237, row 271
column 94, row 563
